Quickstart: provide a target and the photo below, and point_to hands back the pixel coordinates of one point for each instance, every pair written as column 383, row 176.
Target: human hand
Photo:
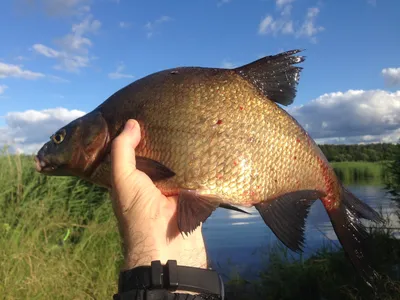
column 146, row 218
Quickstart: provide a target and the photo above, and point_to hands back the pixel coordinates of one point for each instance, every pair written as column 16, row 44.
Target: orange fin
column 286, row 216
column 353, row 235
column 194, row 209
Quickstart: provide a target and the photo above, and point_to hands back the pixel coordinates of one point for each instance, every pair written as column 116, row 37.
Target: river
column 239, row 242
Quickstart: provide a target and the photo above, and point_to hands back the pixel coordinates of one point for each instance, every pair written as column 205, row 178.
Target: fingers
column 123, row 162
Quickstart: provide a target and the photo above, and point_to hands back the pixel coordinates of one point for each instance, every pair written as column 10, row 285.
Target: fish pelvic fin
column 286, row 216
column 353, row 235
column 194, row 209
column 275, row 76
column 155, row 170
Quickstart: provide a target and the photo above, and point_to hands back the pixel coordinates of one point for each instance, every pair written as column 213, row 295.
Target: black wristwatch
column 145, row 282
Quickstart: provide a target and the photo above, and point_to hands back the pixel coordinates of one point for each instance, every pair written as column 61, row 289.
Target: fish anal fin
column 194, row 209
column 155, row 170
column 275, row 76
column 286, row 216
column 234, row 208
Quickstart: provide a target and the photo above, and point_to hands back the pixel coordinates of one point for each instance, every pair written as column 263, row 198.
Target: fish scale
column 218, row 138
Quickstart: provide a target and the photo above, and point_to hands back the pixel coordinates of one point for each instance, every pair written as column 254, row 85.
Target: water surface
column 238, row 242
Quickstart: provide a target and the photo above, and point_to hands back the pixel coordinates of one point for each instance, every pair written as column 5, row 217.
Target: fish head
column 75, row 149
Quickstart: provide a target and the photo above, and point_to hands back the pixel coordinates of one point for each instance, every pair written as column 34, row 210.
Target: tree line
column 368, row 152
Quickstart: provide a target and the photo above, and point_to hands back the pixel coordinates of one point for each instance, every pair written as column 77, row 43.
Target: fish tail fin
column 352, row 234
column 274, row 76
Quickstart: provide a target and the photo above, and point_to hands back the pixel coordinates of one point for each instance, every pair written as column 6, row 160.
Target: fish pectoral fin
column 274, row 76
column 194, row 209
column 231, row 207
column 155, row 170
column 286, row 216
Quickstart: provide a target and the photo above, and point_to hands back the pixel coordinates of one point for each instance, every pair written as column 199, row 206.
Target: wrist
column 147, row 247
column 171, row 278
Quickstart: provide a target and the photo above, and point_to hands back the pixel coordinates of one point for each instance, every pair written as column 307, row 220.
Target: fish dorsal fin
column 286, row 216
column 275, row 76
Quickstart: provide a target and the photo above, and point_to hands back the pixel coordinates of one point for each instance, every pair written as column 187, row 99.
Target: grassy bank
column 361, row 172
column 59, row 240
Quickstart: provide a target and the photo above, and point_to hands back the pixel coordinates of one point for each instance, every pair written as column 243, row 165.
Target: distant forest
column 369, row 152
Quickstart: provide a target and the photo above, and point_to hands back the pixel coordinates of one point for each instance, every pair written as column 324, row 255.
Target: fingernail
column 129, row 125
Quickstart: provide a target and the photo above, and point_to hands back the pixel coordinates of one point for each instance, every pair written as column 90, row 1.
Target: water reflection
column 235, row 239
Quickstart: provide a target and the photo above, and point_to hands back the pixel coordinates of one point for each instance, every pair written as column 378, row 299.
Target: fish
column 217, row 137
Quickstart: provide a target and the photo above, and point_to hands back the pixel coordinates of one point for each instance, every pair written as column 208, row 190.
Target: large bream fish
column 218, row 138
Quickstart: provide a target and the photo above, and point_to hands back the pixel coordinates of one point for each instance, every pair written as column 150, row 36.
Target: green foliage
column 393, row 170
column 58, row 237
column 361, row 172
column 59, row 240
column 326, row 275
column 368, row 152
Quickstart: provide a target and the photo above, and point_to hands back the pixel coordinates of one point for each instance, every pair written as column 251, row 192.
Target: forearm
column 141, row 249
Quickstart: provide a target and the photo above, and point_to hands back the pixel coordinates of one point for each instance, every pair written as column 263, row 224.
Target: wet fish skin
column 217, row 137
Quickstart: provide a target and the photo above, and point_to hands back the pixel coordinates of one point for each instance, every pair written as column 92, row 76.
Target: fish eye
column 58, row 137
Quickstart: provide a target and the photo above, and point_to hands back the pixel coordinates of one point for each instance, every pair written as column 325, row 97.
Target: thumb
column 123, row 162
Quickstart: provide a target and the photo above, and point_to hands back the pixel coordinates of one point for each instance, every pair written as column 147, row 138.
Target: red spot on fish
column 219, row 122
column 331, row 186
column 219, row 176
column 298, row 140
column 258, row 186
column 295, row 157
column 169, row 192
column 241, row 107
column 235, row 162
column 252, row 193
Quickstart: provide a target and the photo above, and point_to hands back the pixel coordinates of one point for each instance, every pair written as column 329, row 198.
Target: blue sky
column 73, row 54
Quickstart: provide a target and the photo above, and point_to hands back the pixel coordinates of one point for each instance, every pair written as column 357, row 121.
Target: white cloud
column 281, row 3
column 10, row 70
column 228, row 64
column 61, row 8
column 124, row 24
column 151, row 26
column 309, row 27
column 27, row 131
column 222, row 2
column 57, row 79
column 391, row 76
column 354, row 116
column 74, row 47
column 67, row 62
column 21, row 58
column 3, row 87
column 283, row 24
column 118, row 73
column 269, row 25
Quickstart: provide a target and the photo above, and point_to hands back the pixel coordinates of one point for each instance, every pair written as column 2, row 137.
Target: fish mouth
column 42, row 166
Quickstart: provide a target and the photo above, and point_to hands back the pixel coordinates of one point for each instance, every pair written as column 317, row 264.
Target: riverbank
column 59, row 241
column 361, row 172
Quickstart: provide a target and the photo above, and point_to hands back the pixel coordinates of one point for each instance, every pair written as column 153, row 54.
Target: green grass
column 59, row 240
column 361, row 172
column 36, row 214
column 326, row 275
